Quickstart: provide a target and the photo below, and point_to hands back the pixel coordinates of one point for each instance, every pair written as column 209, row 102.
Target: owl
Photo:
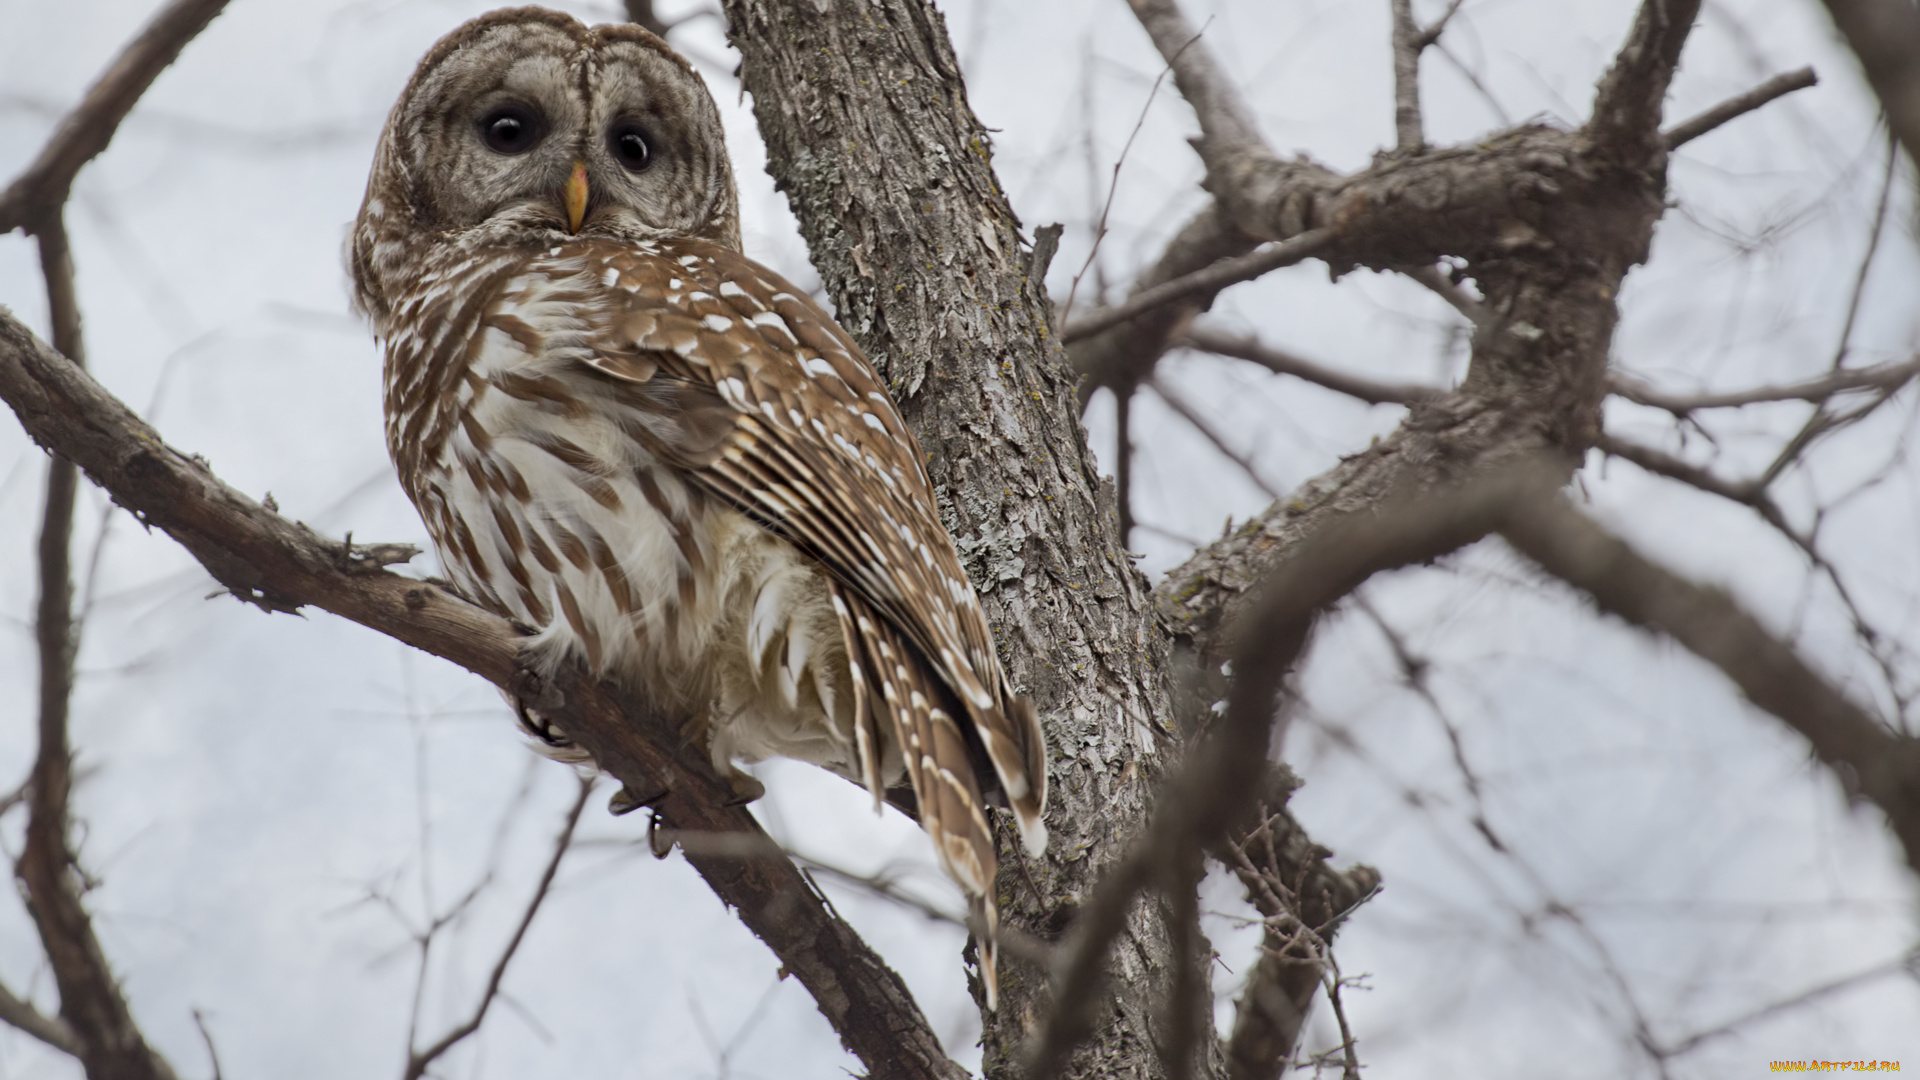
column 659, row 455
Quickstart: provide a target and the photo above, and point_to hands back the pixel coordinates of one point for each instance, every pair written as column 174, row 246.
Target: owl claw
column 626, row 802
column 659, row 840
column 745, row 788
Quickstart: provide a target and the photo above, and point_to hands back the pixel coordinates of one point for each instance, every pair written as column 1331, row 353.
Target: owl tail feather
column 986, row 920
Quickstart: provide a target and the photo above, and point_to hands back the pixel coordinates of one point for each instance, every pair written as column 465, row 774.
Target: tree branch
column 1281, row 362
column 1883, row 377
column 1778, row 86
column 279, row 565
column 1302, row 902
column 1223, row 773
column 1627, row 105
column 91, row 1004
column 418, row 1060
column 1867, row 757
column 1215, row 277
column 42, row 188
column 51, row 1030
column 1018, row 488
column 1407, row 45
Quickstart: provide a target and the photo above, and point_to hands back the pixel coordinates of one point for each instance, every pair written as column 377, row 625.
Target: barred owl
column 660, row 455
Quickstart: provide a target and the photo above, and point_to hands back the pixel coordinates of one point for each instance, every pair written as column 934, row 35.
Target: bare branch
column 1431, row 34
column 1908, row 963
column 1882, row 34
column 1868, row 758
column 1406, row 79
column 1120, row 357
column 42, row 188
column 1013, row 941
column 1226, row 124
column 1456, row 297
column 1224, row 770
column 1883, row 377
column 1302, row 901
column 1179, row 404
column 1215, row 277
column 1778, row 86
column 91, row 1004
column 1627, row 105
column 51, row 1030
column 1654, row 460
column 418, row 1060
column 281, row 566
column 1281, row 362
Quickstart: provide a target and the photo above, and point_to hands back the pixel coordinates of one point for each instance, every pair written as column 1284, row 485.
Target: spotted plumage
column 661, row 456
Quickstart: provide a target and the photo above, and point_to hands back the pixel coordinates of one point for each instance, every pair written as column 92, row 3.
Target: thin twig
column 1113, row 186
column 1194, row 418
column 1881, row 377
column 418, row 1060
column 1778, row 86
column 1281, row 362
column 1908, row 963
column 1218, row 276
column 1432, row 33
column 213, row 1055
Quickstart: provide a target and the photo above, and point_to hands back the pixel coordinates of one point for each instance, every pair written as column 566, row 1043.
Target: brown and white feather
column 663, row 458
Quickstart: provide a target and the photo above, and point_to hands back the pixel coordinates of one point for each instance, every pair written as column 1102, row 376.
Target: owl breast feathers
column 664, row 458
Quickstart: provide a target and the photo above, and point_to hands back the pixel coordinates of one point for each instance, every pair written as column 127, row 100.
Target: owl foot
column 626, row 802
column 745, row 788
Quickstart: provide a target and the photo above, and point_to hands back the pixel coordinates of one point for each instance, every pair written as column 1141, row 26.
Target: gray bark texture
column 869, row 133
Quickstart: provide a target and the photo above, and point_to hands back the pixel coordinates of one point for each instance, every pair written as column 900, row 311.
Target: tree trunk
column 869, row 133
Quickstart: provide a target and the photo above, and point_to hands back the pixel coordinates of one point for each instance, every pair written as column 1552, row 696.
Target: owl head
column 525, row 128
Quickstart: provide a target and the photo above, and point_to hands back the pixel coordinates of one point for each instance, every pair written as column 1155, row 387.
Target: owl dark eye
column 510, row 129
column 630, row 146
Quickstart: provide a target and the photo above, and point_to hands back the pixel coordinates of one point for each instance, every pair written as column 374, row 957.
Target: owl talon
column 625, row 802
column 745, row 788
column 659, row 840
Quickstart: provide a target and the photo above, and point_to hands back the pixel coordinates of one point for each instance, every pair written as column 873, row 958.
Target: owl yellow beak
column 576, row 196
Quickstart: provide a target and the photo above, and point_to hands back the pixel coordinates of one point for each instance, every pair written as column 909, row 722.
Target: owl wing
column 778, row 413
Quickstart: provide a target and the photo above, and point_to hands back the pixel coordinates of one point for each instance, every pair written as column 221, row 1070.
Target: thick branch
column 1870, row 759
column 1226, row 124
column 282, row 566
column 1885, row 35
column 1627, row 106
column 1217, row 786
column 43, row 187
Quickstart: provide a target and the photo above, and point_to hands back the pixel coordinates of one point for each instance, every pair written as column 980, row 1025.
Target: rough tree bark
column 869, row 133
